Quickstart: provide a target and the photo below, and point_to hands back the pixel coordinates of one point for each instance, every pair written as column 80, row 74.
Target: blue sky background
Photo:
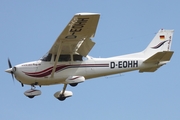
column 29, row 28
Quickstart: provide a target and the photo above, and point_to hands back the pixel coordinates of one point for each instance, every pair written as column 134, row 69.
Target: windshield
column 46, row 57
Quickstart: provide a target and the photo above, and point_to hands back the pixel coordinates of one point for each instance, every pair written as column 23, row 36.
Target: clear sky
column 29, row 28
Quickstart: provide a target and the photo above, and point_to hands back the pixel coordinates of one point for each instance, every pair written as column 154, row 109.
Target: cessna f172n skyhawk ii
column 68, row 63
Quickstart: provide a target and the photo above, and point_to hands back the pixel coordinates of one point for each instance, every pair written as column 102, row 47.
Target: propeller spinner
column 10, row 69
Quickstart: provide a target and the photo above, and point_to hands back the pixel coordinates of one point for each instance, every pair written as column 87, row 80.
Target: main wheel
column 61, row 98
column 31, row 96
column 73, row 84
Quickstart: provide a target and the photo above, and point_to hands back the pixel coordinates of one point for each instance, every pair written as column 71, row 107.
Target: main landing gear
column 62, row 95
column 72, row 81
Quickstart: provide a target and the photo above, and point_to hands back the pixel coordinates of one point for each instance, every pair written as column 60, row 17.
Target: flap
column 86, row 47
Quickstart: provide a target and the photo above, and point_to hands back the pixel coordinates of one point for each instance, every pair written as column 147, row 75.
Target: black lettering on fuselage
column 112, row 65
column 120, row 64
column 135, row 63
column 130, row 64
column 124, row 64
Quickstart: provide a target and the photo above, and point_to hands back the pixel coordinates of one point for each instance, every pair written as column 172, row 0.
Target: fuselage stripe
column 59, row 68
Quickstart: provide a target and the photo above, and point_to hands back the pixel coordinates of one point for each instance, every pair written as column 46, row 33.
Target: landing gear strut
column 61, row 96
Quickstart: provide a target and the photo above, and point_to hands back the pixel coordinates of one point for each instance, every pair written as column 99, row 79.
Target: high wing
column 76, row 37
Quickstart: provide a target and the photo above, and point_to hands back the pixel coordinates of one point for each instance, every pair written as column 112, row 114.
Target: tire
column 73, row 84
column 61, row 98
column 31, row 97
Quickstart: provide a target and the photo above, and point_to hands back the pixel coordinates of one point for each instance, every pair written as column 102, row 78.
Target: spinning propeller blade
column 9, row 63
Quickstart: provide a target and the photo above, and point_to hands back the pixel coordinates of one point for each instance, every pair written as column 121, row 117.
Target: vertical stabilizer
column 161, row 42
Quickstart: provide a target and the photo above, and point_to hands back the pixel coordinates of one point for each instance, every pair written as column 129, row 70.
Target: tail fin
column 161, row 42
column 158, row 51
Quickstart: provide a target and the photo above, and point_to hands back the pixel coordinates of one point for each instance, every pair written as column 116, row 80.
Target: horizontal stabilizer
column 153, row 69
column 160, row 57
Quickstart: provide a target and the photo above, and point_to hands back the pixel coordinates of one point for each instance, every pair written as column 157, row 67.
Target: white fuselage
column 40, row 71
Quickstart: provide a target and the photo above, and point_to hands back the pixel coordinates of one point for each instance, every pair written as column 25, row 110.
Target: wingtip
column 86, row 13
column 164, row 30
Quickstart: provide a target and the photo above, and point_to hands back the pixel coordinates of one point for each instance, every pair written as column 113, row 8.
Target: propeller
column 10, row 70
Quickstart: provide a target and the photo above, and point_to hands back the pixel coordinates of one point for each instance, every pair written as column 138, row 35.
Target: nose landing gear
column 32, row 92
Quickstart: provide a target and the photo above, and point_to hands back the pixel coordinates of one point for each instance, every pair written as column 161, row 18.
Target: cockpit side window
column 63, row 58
column 47, row 57
column 77, row 58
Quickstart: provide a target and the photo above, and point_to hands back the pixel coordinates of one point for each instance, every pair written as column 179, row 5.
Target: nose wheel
column 32, row 92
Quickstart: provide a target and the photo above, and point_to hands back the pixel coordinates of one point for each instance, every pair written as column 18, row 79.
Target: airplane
column 67, row 62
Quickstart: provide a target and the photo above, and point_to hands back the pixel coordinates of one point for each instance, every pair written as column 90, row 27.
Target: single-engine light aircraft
column 68, row 63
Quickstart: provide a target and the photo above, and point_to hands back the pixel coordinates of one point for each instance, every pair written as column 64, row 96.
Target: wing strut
column 57, row 57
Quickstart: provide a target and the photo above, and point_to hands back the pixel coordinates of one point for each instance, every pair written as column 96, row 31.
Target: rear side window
column 77, row 58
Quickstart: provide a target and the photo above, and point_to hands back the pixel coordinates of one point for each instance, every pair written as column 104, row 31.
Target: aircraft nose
column 9, row 70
